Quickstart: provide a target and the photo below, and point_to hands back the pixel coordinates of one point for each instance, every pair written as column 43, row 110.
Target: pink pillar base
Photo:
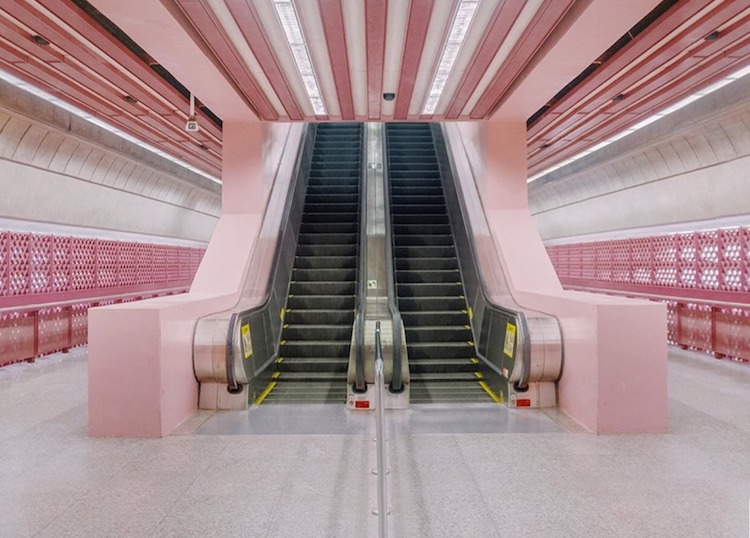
column 614, row 377
column 141, row 378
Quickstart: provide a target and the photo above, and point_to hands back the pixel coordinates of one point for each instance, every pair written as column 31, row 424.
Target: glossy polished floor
column 513, row 474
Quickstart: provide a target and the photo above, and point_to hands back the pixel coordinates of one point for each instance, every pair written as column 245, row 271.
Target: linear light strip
column 648, row 121
column 25, row 86
column 459, row 28
column 295, row 38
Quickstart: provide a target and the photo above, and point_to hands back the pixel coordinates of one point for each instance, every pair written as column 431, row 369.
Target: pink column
column 614, row 374
column 141, row 380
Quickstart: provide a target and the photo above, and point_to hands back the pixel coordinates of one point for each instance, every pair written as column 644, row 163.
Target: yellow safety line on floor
column 488, row 390
column 269, row 388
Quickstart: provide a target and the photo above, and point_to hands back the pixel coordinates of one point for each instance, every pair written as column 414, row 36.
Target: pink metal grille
column 703, row 277
column 48, row 283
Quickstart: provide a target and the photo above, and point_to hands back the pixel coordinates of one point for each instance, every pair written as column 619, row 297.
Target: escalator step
column 424, row 240
column 415, row 290
column 328, row 302
column 323, row 275
column 441, row 350
column 418, row 264
column 315, row 316
column 327, row 238
column 327, row 250
column 442, row 366
column 314, row 364
column 430, row 319
column 325, row 262
column 444, row 333
column 322, row 288
column 434, row 276
column 329, row 218
column 311, row 348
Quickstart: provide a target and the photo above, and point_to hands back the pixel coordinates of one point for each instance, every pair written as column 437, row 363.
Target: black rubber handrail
column 232, row 385
column 360, row 385
column 526, row 347
column 396, row 385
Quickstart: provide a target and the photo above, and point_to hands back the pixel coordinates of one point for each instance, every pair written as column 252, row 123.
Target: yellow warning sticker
column 510, row 339
column 247, row 343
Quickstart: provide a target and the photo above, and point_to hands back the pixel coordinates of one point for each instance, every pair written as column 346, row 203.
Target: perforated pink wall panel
column 48, row 283
column 703, row 277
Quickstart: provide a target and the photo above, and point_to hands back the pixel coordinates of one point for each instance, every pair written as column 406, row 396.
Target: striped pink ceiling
column 361, row 49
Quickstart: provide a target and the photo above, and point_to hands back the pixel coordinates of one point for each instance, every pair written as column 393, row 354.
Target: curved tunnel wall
column 56, row 168
column 663, row 214
column 687, row 171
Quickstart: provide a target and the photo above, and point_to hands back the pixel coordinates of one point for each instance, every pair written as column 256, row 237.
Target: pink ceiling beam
column 502, row 20
column 77, row 19
column 708, row 62
column 539, row 29
column 663, row 93
column 643, row 43
column 588, row 29
column 246, row 16
column 210, row 29
column 333, row 26
column 420, row 13
column 376, row 19
column 160, row 31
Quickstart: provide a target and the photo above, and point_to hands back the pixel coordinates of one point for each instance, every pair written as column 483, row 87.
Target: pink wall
column 141, row 379
column 614, row 373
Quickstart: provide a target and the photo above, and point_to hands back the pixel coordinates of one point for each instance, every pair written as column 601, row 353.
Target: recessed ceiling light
column 295, row 38
column 459, row 28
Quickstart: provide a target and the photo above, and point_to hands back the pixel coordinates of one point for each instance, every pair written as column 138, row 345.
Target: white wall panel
column 54, row 169
column 693, row 165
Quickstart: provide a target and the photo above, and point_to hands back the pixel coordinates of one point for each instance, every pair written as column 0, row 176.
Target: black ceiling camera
column 389, row 96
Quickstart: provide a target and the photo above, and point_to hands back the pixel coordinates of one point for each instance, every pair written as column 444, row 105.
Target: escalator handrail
column 360, row 384
column 233, row 385
column 490, row 305
column 396, row 385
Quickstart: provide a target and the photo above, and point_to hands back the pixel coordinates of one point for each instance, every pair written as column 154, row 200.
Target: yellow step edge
column 470, row 343
column 475, row 361
column 280, row 359
column 488, row 390
column 275, row 375
column 265, row 393
column 479, row 375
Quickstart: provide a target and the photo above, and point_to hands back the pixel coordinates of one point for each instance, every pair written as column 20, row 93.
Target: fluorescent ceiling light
column 293, row 33
column 648, row 121
column 459, row 28
column 25, row 86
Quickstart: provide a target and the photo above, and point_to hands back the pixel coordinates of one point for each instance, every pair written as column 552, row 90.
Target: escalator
column 443, row 364
column 320, row 309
